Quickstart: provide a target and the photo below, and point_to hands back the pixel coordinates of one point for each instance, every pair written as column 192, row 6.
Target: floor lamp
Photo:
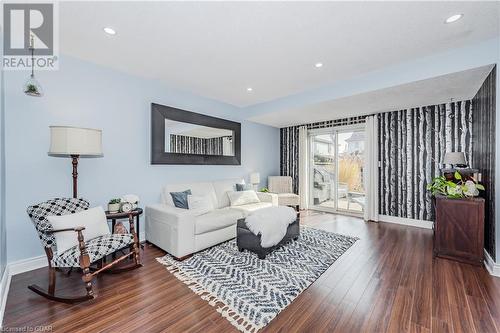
column 75, row 142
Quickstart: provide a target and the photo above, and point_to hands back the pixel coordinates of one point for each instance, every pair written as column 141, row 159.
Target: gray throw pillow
column 243, row 187
column 180, row 199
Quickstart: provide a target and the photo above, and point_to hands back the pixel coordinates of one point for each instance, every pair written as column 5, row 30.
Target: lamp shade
column 254, row 178
column 66, row 141
column 454, row 158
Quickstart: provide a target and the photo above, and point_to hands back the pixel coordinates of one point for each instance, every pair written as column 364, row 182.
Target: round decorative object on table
column 126, row 207
column 124, row 215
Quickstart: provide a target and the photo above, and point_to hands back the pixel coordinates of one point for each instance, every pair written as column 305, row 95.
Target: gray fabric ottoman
column 246, row 240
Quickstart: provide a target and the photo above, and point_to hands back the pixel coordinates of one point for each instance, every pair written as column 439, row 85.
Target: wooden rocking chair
column 85, row 254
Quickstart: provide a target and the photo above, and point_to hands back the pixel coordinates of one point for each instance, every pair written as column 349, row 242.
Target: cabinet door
column 459, row 228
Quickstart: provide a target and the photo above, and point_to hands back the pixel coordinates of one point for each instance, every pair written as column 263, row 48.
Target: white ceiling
column 459, row 86
column 218, row 49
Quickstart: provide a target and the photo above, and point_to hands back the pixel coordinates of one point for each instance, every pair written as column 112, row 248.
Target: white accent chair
column 282, row 186
column 182, row 232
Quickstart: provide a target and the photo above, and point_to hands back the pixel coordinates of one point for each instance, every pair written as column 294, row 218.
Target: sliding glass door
column 351, row 193
column 336, row 169
column 322, row 168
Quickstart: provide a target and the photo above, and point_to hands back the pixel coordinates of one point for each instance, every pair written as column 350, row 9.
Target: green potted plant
column 457, row 189
column 114, row 205
column 32, row 90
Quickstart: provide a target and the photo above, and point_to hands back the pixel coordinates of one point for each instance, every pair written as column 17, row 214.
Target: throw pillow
column 180, row 199
column 93, row 219
column 199, row 203
column 240, row 198
column 243, row 187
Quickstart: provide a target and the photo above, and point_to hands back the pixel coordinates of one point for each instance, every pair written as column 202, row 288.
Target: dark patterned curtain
column 289, row 145
column 412, row 144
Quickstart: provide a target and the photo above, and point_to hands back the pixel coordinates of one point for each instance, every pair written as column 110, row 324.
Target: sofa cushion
column 247, row 209
column 285, row 199
column 180, row 199
column 200, row 204
column 217, row 219
column 242, row 198
column 97, row 248
column 221, row 187
column 196, row 189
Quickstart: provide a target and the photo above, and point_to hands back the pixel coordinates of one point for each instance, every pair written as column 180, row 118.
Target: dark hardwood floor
column 388, row 281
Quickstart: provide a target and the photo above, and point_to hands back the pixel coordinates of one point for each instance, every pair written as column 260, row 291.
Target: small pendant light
column 31, row 86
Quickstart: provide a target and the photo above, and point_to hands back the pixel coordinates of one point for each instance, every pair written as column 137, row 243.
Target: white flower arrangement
column 470, row 189
column 131, row 198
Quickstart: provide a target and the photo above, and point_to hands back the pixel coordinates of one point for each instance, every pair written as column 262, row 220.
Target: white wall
column 87, row 95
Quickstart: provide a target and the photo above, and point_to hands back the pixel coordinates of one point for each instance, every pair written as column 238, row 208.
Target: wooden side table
column 124, row 215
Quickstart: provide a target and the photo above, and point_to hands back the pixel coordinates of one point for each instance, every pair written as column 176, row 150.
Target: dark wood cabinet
column 459, row 229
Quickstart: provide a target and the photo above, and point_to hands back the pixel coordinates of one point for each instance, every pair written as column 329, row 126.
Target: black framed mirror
column 185, row 137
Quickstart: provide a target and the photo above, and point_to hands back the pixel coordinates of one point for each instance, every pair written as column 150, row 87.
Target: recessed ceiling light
column 249, row 89
column 454, row 18
column 109, row 31
column 318, row 65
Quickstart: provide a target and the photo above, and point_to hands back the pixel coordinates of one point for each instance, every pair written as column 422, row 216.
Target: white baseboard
column 406, row 221
column 492, row 267
column 14, row 268
column 4, row 291
column 26, row 265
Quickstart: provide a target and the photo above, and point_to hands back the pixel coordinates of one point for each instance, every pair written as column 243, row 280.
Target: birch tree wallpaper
column 484, row 104
column 412, row 144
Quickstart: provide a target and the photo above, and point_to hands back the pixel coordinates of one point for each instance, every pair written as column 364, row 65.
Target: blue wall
column 3, row 238
column 87, row 95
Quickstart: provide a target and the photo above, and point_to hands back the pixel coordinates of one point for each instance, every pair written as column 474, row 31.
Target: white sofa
column 181, row 232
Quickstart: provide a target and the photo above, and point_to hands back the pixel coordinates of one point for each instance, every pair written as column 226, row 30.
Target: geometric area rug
column 250, row 292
